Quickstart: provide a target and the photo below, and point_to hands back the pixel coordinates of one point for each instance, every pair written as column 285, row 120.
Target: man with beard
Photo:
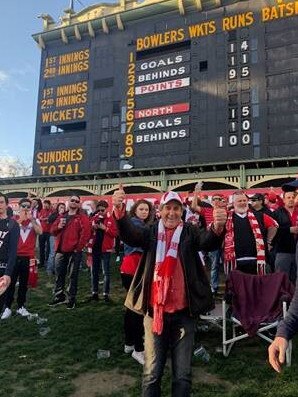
column 72, row 231
column 248, row 237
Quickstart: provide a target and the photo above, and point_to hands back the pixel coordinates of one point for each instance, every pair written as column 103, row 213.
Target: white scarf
column 163, row 272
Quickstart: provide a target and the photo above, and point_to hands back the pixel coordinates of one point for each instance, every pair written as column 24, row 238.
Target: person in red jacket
column 29, row 229
column 101, row 245
column 44, row 238
column 72, row 231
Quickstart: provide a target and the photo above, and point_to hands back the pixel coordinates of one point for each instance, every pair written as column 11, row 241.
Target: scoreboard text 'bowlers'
column 214, row 86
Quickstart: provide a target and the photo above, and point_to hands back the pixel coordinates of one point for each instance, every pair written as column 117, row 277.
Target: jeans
column 101, row 261
column 21, row 272
column 215, row 257
column 285, row 262
column 67, row 264
column 178, row 336
column 50, row 264
column 44, row 247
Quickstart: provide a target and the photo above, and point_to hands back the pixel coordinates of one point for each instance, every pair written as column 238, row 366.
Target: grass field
column 64, row 361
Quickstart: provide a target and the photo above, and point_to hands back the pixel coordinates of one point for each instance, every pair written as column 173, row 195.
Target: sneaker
column 93, row 297
column 6, row 314
column 22, row 311
column 139, row 357
column 71, row 304
column 128, row 349
column 58, row 300
column 106, row 298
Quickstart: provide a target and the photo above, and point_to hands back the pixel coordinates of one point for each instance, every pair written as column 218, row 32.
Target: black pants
column 133, row 322
column 67, row 265
column 3, row 296
column 21, row 272
column 44, row 248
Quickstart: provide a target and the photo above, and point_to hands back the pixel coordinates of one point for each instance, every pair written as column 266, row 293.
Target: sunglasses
column 255, row 200
column 100, row 210
column 75, row 201
column 217, row 199
column 26, row 206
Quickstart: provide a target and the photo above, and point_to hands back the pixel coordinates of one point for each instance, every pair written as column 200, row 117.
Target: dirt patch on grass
column 101, row 383
column 199, row 375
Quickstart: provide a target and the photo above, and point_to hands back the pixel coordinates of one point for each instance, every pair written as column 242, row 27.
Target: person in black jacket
column 9, row 237
column 286, row 329
column 286, row 238
column 169, row 288
column 258, row 204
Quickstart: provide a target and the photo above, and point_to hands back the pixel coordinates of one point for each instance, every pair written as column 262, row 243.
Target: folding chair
column 258, row 303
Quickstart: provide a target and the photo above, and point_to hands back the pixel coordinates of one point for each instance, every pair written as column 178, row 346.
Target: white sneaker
column 22, row 311
column 139, row 356
column 6, row 314
column 128, row 348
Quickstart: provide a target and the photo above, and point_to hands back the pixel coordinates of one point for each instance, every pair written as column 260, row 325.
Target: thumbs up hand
column 118, row 197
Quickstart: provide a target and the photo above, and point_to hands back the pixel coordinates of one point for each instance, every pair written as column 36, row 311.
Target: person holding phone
column 100, row 248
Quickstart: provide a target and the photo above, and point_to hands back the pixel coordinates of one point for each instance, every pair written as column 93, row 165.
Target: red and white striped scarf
column 229, row 244
column 166, row 260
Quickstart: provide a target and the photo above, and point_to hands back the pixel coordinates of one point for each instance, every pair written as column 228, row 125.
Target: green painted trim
column 130, row 16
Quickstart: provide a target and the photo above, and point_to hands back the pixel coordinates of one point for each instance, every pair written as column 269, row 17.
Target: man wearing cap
column 258, row 204
column 72, row 231
column 286, row 238
column 169, row 288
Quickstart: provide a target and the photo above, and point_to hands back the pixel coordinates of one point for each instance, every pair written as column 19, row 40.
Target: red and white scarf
column 229, row 244
column 166, row 261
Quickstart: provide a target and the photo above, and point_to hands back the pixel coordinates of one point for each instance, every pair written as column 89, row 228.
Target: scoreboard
column 170, row 90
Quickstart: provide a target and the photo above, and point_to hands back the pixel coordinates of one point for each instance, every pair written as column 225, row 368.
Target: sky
column 19, row 70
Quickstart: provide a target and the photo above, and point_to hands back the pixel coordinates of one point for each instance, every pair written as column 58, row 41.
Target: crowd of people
column 168, row 247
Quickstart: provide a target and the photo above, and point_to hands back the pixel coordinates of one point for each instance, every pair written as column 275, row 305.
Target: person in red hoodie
column 72, row 231
column 101, row 245
column 29, row 229
column 44, row 238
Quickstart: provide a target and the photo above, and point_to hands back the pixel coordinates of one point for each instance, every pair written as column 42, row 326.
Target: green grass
column 59, row 364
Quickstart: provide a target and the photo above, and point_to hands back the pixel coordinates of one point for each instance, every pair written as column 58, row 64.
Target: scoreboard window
column 115, row 120
column 203, row 66
column 105, row 122
column 104, row 136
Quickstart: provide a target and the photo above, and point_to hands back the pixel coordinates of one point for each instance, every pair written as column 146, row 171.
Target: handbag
column 135, row 295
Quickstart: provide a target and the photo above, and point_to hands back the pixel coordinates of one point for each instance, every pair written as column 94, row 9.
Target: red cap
column 272, row 196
